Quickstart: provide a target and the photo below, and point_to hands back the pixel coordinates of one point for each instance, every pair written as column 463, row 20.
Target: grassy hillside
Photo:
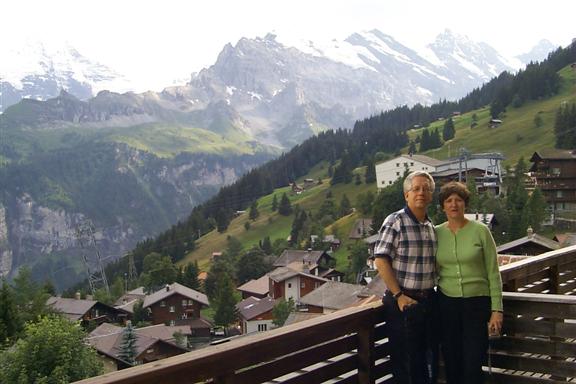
column 517, row 136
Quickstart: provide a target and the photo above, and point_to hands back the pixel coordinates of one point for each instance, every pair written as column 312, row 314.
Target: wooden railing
column 551, row 272
column 349, row 346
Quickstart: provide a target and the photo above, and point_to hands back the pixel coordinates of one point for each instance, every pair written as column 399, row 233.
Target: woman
column 470, row 288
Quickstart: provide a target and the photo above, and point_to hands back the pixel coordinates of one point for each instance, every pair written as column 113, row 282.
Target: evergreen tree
column 448, row 131
column 474, row 202
column 538, row 120
column 285, row 208
column 388, row 200
column 128, row 352
column 9, row 320
column 274, row 203
column 412, row 148
column 253, row 214
column 190, row 275
column 225, row 303
column 358, row 257
column 425, row 141
column 370, row 175
column 537, row 209
column 267, row 245
column 345, row 206
column 357, row 179
column 140, row 314
column 364, row 202
column 281, row 311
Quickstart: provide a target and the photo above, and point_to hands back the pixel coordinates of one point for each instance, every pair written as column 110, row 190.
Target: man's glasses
column 421, row 189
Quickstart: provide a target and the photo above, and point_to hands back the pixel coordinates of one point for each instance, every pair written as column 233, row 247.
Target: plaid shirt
column 411, row 247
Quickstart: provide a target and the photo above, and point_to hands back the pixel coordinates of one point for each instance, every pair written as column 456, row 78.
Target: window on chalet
column 162, row 303
column 262, row 327
column 555, row 171
column 397, row 173
column 151, row 350
column 559, row 193
column 184, row 302
column 172, row 323
column 289, row 285
column 172, row 308
column 302, row 284
column 397, row 164
column 411, row 163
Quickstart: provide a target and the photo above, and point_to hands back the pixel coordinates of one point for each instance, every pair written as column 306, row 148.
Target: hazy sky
column 155, row 42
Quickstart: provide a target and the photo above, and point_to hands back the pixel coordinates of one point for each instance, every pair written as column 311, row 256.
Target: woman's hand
column 495, row 323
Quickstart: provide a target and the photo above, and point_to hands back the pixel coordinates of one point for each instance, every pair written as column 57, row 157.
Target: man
column 405, row 258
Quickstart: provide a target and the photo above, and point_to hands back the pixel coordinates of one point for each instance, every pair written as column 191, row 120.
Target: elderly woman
column 470, row 288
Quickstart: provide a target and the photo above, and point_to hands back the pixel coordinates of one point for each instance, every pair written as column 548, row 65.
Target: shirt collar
column 411, row 214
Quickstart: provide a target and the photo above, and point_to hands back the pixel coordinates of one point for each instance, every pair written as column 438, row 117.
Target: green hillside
column 517, row 136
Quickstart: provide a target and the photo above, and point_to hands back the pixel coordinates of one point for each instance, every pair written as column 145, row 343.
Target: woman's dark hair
column 454, row 187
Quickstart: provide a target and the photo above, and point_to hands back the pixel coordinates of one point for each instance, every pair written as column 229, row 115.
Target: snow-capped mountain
column 280, row 92
column 538, row 53
column 38, row 71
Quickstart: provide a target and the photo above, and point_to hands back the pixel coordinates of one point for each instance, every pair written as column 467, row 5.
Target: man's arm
column 387, row 275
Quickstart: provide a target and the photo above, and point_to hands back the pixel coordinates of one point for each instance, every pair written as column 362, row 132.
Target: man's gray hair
column 408, row 181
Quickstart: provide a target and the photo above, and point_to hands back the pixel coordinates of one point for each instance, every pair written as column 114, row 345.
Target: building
column 87, row 311
column 484, row 167
column 290, row 283
column 360, row 229
column 107, row 340
column 318, row 263
column 331, row 297
column 258, row 288
column 530, row 245
column 554, row 172
column 175, row 304
column 255, row 314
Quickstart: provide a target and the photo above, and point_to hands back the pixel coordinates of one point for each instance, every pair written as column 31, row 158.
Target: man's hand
column 404, row 301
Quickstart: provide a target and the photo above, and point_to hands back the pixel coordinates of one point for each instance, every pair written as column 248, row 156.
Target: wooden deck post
column 366, row 340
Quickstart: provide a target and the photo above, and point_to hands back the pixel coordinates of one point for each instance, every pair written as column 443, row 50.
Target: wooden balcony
column 350, row 346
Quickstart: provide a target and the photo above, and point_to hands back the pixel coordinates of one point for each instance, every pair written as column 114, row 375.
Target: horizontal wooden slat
column 508, row 378
column 326, row 372
column 543, row 347
column 532, row 364
column 296, row 361
column 539, row 328
column 555, row 310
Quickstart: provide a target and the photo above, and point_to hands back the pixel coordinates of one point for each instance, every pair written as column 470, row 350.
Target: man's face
column 420, row 194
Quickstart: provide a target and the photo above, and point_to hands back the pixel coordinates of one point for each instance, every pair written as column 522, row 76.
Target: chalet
column 554, row 172
column 495, row 123
column 255, row 288
column 485, row 218
column 530, row 245
column 255, row 314
column 310, row 257
column 87, row 311
column 331, row 297
column 290, row 283
column 127, row 301
column 388, row 172
column 175, row 304
column 108, row 341
column 360, row 229
column 565, row 239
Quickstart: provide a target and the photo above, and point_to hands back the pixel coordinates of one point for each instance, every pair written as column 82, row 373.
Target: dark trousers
column 413, row 342
column 464, row 337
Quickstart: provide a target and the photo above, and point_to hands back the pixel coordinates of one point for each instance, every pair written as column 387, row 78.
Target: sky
column 155, row 42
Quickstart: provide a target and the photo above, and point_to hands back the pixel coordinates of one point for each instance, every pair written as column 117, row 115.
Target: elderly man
column 405, row 258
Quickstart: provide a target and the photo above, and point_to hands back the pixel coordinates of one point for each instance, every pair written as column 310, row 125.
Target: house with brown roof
column 255, row 314
column 107, row 340
column 293, row 283
column 331, row 297
column 87, row 311
column 175, row 304
column 127, row 301
column 554, row 172
column 318, row 263
column 255, row 288
column 530, row 245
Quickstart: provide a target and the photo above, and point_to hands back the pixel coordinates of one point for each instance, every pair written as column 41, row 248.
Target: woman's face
column 454, row 207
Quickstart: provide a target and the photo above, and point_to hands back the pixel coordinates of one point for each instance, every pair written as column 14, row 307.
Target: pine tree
column 225, row 313
column 537, row 209
column 370, row 175
column 267, row 245
column 448, row 131
column 285, row 208
column 128, row 352
column 345, row 206
column 9, row 319
column 253, row 214
column 274, row 203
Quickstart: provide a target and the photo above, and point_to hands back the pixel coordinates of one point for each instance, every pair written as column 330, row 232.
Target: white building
column 389, row 171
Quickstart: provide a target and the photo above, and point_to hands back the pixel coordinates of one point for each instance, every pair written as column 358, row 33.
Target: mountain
column 538, row 53
column 133, row 164
column 37, row 71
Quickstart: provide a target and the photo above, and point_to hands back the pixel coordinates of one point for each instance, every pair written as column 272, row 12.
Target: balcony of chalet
column 350, row 346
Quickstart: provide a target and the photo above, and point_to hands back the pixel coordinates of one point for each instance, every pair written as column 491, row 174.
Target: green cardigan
column 467, row 264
